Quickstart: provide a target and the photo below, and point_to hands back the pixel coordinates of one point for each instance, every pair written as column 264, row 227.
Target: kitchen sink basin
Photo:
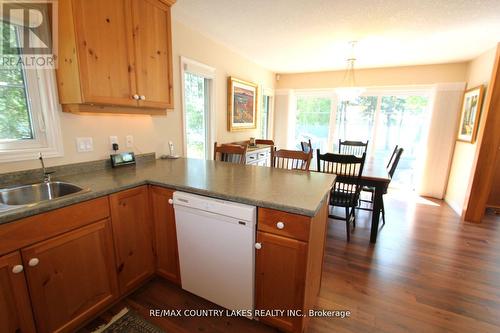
column 33, row 194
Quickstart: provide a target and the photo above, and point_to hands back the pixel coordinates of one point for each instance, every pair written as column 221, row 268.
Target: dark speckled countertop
column 290, row 191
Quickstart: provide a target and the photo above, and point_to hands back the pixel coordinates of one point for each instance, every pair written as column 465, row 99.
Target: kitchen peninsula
column 125, row 224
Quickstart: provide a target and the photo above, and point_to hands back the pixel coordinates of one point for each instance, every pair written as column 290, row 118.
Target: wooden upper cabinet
column 153, row 53
column 167, row 256
column 115, row 56
column 132, row 230
column 15, row 306
column 71, row 277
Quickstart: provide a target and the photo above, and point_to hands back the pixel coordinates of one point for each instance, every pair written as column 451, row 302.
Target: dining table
column 377, row 176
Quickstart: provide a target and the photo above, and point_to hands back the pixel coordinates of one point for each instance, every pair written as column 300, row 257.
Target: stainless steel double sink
column 36, row 193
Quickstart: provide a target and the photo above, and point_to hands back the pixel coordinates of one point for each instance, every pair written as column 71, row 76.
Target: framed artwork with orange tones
column 242, row 105
column 471, row 111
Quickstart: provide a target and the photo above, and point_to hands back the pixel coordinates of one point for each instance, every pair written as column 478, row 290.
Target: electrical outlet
column 113, row 139
column 84, row 145
column 129, row 141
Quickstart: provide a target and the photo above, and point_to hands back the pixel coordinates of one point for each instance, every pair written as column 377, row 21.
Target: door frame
column 188, row 65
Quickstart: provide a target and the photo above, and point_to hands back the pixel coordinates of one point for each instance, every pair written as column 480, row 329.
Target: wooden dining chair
column 290, row 159
column 230, row 153
column 356, row 148
column 306, row 146
column 391, row 170
column 264, row 142
column 392, row 156
column 346, row 189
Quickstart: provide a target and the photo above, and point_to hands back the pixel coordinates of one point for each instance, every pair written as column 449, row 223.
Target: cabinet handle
column 280, row 225
column 143, row 98
column 33, row 262
column 170, row 201
column 136, row 97
column 17, row 269
column 258, row 246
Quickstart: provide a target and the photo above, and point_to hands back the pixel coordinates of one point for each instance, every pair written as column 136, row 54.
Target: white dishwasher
column 216, row 241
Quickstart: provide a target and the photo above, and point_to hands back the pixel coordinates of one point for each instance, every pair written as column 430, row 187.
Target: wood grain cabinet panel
column 15, row 306
column 71, row 277
column 280, row 278
column 167, row 256
column 132, row 230
column 115, row 53
column 153, row 53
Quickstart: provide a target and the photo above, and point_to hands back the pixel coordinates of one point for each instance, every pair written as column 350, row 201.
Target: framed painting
column 471, row 111
column 242, row 105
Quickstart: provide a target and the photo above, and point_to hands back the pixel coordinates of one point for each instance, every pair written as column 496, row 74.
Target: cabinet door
column 15, row 306
column 71, row 277
column 132, row 230
column 105, row 51
column 280, row 278
column 167, row 257
column 152, row 37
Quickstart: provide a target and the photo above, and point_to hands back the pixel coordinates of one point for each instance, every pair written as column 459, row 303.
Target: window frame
column 44, row 111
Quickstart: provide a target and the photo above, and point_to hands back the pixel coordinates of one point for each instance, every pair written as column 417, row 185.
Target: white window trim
column 265, row 91
column 46, row 116
column 207, row 72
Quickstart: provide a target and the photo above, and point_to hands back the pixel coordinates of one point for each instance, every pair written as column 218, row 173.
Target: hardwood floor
column 428, row 272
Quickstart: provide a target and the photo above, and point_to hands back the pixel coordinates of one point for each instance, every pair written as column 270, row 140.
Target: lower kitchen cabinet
column 71, row 277
column 15, row 306
column 167, row 256
column 280, row 272
column 132, row 231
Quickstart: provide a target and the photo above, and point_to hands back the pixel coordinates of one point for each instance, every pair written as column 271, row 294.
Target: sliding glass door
column 386, row 119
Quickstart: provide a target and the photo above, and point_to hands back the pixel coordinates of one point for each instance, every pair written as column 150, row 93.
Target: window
column 196, row 99
column 385, row 118
column 28, row 110
column 198, row 81
column 264, row 117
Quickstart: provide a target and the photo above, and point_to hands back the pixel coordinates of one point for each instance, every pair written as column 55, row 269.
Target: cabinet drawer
column 283, row 224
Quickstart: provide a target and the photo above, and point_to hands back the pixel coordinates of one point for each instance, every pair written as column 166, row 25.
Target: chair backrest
column 230, row 153
column 395, row 161
column 348, row 170
column 392, row 156
column 356, row 148
column 306, row 146
column 290, row 159
column 264, row 142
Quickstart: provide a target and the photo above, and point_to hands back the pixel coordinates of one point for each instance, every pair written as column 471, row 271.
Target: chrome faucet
column 46, row 175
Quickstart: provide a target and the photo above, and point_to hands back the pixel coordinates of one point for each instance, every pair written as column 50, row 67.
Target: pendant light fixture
column 349, row 91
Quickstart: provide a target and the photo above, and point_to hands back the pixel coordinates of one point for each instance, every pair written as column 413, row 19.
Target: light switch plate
column 84, row 145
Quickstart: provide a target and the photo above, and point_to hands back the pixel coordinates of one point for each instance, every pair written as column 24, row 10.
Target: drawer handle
column 17, row 269
column 258, row 246
column 170, row 201
column 136, row 97
column 142, row 97
column 280, row 225
column 33, row 262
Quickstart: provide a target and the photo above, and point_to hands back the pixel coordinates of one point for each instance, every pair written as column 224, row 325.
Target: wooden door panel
column 167, row 256
column 153, row 54
column 74, row 279
column 132, row 230
column 280, row 278
column 104, row 37
column 15, row 306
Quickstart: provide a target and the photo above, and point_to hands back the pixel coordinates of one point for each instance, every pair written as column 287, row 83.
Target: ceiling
column 313, row 35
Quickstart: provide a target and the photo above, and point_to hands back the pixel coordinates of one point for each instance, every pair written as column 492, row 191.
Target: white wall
column 478, row 72
column 151, row 133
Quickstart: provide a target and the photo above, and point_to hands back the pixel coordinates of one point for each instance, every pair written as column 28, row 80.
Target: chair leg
column 354, row 217
column 383, row 212
column 347, row 219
